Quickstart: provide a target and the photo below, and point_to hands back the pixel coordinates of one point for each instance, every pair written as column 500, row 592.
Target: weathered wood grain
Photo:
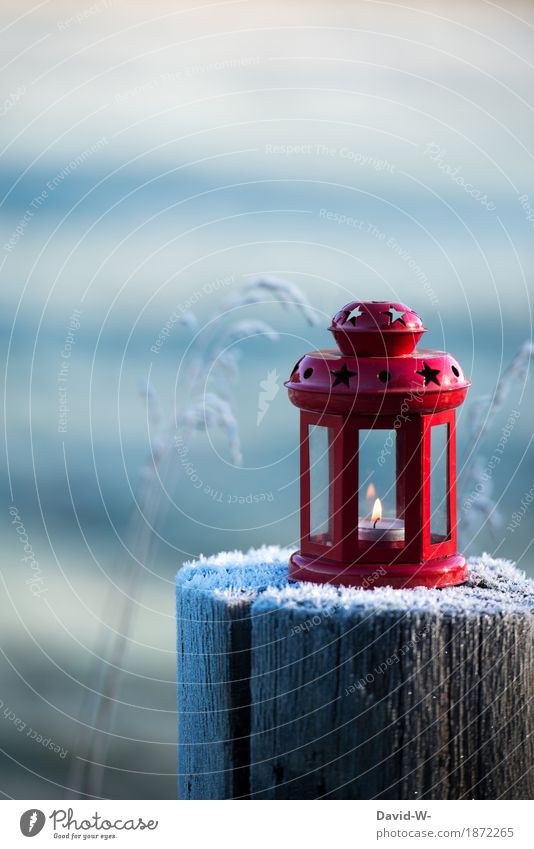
column 213, row 630
column 314, row 692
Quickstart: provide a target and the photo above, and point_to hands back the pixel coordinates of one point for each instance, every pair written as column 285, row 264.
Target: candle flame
column 371, row 492
column 377, row 512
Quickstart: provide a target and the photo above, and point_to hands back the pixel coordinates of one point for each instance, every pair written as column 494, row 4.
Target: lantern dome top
column 376, row 328
column 377, row 368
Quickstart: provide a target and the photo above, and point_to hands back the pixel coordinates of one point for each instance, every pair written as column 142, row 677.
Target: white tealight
column 383, row 530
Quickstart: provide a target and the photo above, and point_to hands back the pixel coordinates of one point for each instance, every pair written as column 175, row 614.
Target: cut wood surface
column 300, row 691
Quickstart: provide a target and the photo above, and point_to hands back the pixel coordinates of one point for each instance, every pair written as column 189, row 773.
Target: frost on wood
column 231, row 572
column 309, row 691
column 491, row 582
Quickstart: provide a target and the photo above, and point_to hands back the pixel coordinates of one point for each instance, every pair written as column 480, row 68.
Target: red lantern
column 378, row 454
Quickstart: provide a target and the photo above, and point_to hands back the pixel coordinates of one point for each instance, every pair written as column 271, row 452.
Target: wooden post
column 303, row 691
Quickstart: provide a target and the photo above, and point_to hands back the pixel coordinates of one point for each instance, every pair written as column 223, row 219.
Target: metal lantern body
column 378, row 454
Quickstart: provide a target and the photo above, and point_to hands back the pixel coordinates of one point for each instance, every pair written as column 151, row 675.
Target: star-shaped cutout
column 353, row 315
column 430, row 374
column 343, row 375
column 395, row 315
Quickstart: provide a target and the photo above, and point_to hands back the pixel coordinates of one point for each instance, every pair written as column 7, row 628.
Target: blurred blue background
column 156, row 158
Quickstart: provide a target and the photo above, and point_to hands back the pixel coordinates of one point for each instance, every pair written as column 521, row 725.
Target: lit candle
column 378, row 529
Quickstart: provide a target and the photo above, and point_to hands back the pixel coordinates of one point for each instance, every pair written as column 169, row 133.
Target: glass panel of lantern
column 319, row 441
column 380, row 491
column 440, row 522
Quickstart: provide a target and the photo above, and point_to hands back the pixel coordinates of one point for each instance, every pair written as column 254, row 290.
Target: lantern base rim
column 433, row 574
